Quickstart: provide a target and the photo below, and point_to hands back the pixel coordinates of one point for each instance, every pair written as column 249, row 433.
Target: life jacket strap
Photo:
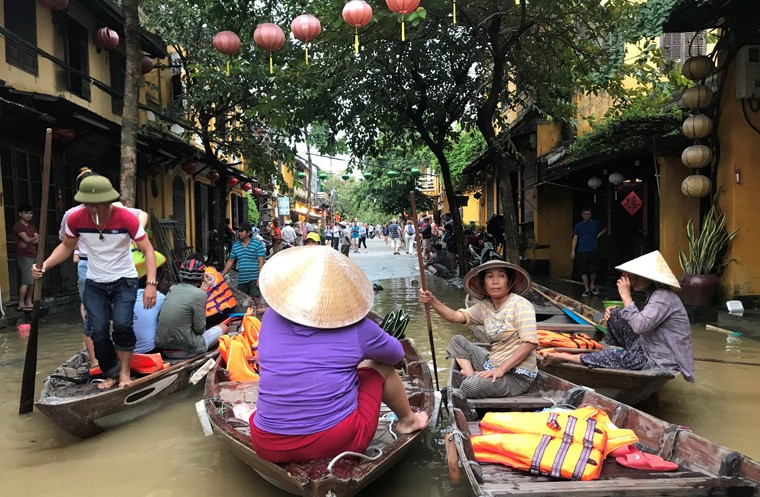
column 535, row 463
column 588, row 445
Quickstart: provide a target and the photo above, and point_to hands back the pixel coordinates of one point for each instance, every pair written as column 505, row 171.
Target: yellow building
column 53, row 75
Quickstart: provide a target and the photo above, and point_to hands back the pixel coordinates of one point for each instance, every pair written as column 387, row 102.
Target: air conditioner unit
column 748, row 72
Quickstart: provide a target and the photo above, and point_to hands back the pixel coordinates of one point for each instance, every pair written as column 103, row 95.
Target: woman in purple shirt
column 324, row 367
column 657, row 336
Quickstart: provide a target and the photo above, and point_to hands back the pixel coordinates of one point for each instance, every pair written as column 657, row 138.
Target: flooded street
column 165, row 454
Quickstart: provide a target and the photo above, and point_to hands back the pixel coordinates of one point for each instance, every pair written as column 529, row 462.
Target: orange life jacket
column 575, row 452
column 219, row 295
column 572, row 340
column 140, row 363
column 548, row 422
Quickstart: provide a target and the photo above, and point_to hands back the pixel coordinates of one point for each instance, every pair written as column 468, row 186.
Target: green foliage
column 253, row 211
column 465, row 148
column 706, row 249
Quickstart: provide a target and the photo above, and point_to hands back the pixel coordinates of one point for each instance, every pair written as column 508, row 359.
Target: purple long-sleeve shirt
column 308, row 377
column 665, row 332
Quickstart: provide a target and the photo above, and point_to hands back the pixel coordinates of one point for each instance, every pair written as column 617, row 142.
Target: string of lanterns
column 697, row 126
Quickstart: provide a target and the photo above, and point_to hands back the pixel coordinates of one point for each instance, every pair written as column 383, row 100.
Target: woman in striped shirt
column 509, row 320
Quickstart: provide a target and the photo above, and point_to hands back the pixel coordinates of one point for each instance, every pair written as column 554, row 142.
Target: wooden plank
column 520, row 402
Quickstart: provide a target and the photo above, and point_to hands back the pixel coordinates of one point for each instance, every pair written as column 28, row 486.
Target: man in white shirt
column 289, row 234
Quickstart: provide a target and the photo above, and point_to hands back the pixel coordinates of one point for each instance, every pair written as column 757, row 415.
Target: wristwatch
column 152, row 282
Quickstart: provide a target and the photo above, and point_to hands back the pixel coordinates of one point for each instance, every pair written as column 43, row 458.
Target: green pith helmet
column 96, row 190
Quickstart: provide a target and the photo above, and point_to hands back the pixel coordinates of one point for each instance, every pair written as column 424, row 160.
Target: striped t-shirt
column 248, row 259
column 507, row 327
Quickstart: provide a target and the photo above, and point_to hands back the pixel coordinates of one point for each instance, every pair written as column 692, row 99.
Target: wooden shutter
column 21, row 19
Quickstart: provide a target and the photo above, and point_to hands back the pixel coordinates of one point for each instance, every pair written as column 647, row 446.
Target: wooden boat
column 629, row 387
column 83, row 410
column 705, row 468
column 322, row 477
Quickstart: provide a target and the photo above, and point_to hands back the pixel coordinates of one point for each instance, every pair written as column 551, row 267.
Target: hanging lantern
column 64, row 135
column 698, row 126
column 155, row 169
column 247, row 186
column 301, row 174
column 232, row 181
column 306, row 28
column 696, row 186
column 594, row 182
column 697, row 68
column 188, row 167
column 227, row 42
column 105, row 38
column 697, row 97
column 357, row 13
column 323, row 176
column 269, row 37
column 415, row 170
column 345, row 176
column 213, row 176
column 367, row 174
column 616, row 178
column 257, row 192
column 391, row 174
column 696, row 156
column 146, row 64
column 54, row 4
column 402, row 7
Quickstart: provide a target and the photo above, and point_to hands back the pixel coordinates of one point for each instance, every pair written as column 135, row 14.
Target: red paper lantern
column 306, row 28
column 232, row 182
column 257, row 192
column 227, row 42
column 146, row 64
column 188, row 167
column 247, row 186
column 213, row 176
column 402, row 7
column 54, row 4
column 64, row 135
column 357, row 13
column 105, row 38
column 155, row 169
column 270, row 37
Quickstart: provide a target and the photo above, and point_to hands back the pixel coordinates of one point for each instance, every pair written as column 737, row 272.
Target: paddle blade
column 26, row 404
column 573, row 316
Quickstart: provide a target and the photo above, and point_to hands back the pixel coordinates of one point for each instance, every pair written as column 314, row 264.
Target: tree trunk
column 511, row 236
column 132, row 85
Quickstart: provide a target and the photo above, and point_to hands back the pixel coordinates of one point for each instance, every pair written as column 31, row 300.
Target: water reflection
column 166, row 455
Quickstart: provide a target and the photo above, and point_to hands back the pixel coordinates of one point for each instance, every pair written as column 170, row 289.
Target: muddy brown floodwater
column 166, row 455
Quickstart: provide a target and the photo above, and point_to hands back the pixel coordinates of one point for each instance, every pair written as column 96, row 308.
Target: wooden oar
column 26, row 404
column 418, row 239
column 570, row 309
column 710, row 327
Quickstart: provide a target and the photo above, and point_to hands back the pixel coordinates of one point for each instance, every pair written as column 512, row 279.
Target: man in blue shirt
column 585, row 250
column 250, row 253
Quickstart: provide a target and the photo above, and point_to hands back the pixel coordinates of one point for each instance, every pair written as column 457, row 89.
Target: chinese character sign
column 632, row 203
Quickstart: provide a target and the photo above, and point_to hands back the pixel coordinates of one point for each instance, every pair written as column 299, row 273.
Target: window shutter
column 21, row 19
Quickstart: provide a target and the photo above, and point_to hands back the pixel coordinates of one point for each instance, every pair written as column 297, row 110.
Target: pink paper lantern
column 306, row 28
column 105, row 38
column 232, row 182
column 226, row 42
column 247, row 187
column 402, row 7
column 54, row 4
column 357, row 13
column 188, row 167
column 270, row 37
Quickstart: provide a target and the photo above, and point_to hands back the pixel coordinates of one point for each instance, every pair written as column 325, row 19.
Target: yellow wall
column 553, row 228
column 548, row 136
column 739, row 149
column 675, row 210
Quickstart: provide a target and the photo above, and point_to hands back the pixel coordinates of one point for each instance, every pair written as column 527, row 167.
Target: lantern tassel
column 356, row 40
column 403, row 33
column 270, row 63
column 228, row 67
column 454, row 7
column 307, row 55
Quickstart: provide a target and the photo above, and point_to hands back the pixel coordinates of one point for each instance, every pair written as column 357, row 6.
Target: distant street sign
column 283, row 206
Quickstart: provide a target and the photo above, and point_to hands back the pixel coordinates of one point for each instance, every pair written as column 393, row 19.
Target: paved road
column 380, row 264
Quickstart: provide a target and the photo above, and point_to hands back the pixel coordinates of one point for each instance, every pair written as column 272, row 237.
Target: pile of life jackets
column 562, row 444
column 240, row 351
column 570, row 340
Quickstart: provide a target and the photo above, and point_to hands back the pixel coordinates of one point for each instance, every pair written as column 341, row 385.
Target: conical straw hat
column 653, row 267
column 519, row 278
column 316, row 286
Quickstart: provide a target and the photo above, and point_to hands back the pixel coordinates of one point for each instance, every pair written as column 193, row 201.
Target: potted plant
column 700, row 281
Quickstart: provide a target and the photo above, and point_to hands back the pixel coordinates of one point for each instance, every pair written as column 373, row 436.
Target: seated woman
column 508, row 319
column 439, row 261
column 319, row 352
column 182, row 322
column 657, row 336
